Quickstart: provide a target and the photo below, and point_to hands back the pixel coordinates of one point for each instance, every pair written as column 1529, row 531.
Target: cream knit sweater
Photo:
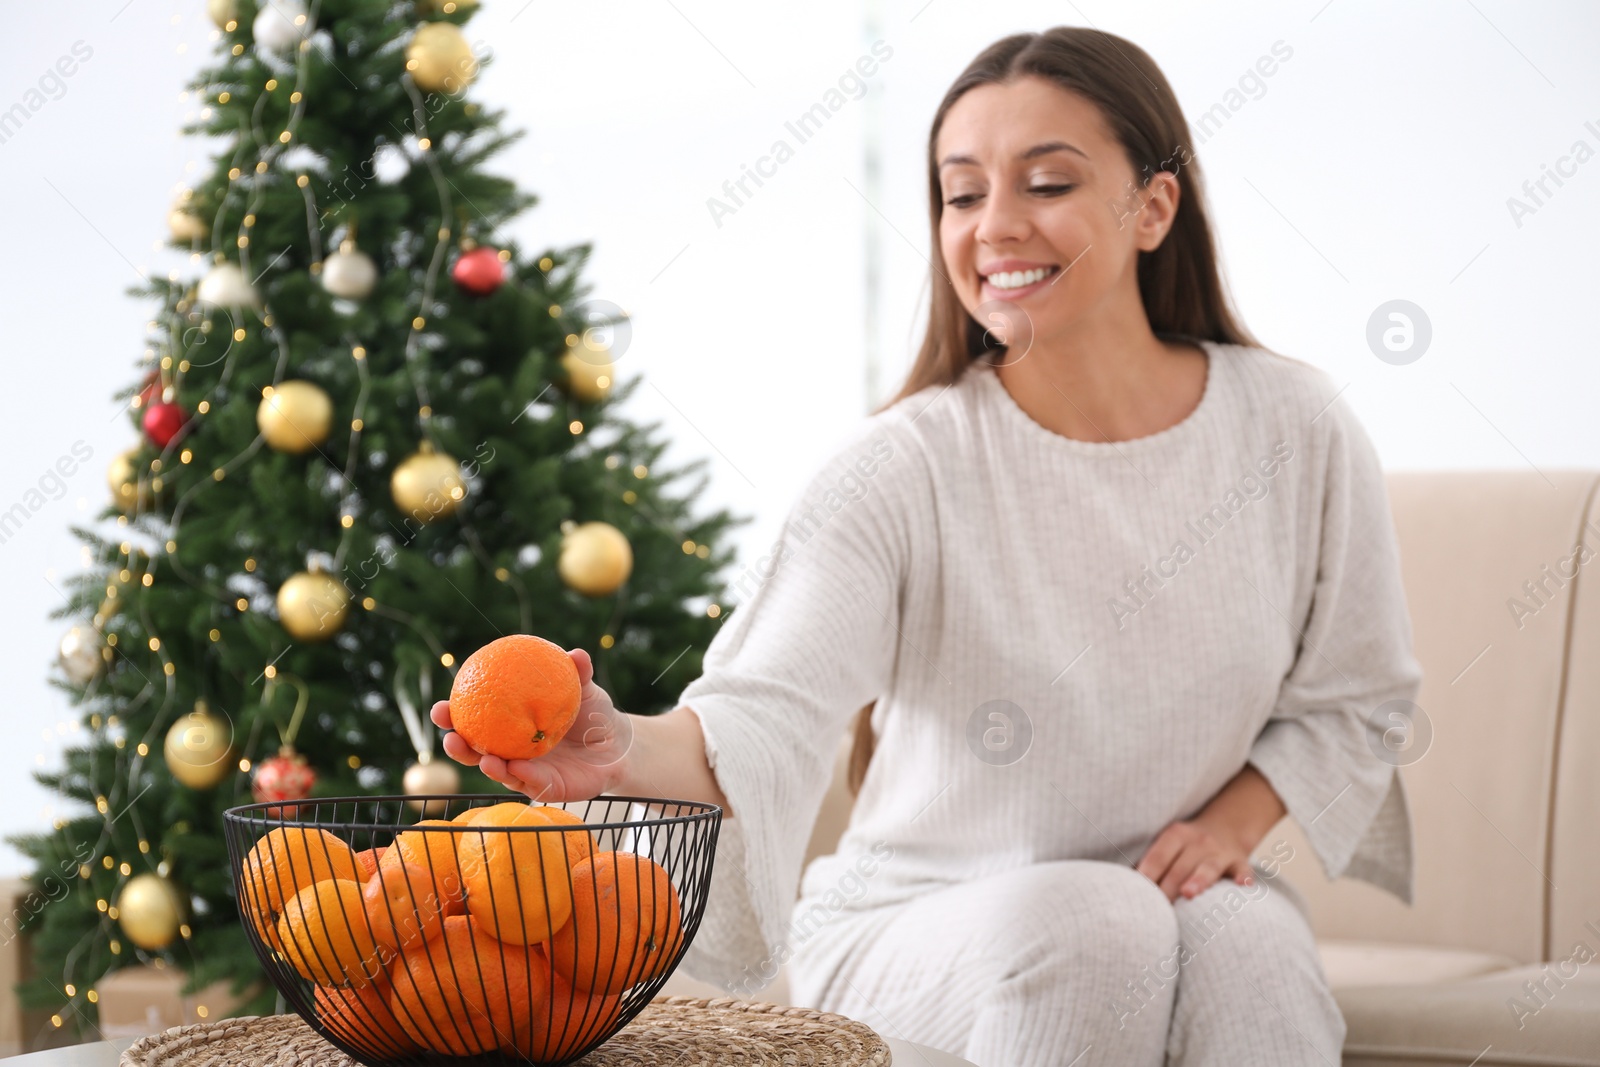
column 1071, row 644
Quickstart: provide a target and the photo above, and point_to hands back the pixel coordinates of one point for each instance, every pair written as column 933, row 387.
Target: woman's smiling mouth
column 1011, row 284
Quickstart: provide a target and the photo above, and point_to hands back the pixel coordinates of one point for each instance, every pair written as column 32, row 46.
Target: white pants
column 1081, row 962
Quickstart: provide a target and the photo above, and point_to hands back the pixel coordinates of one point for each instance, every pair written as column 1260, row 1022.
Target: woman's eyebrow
column 1033, row 153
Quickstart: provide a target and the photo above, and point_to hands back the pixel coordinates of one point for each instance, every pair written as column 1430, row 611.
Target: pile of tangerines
column 466, row 938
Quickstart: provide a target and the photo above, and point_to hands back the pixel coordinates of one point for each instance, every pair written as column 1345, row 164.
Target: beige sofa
column 1498, row 961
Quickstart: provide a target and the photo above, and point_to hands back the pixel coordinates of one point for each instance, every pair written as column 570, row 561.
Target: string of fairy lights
column 190, row 324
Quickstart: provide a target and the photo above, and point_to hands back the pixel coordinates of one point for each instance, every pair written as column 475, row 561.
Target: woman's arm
column 1322, row 753
column 668, row 759
column 1188, row 857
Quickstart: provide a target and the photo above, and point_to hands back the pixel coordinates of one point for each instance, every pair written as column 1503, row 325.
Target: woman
column 1123, row 590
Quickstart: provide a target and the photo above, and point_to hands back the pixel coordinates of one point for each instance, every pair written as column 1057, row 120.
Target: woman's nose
column 1004, row 217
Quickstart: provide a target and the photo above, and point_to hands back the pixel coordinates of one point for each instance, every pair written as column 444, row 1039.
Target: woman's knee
column 1099, row 915
column 1230, row 924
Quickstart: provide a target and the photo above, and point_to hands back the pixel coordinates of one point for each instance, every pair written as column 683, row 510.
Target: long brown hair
column 1179, row 283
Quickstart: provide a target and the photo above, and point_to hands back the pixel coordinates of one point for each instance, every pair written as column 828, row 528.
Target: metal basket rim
column 253, row 815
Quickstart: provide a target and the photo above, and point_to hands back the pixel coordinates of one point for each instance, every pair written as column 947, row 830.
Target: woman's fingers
column 1178, row 874
column 459, row 750
column 1202, row 878
column 585, row 665
column 1158, row 858
column 495, row 767
column 526, row 770
column 440, row 714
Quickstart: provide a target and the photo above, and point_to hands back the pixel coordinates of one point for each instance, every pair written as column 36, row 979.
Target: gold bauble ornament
column 186, row 227
column 199, row 748
column 590, row 372
column 223, row 12
column 312, row 605
column 81, row 654
column 432, row 776
column 128, row 490
column 595, row 558
column 427, row 485
column 444, row 7
column 150, row 911
column 440, row 59
column 294, row 416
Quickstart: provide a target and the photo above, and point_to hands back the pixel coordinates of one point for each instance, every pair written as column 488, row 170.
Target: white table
column 108, row 1053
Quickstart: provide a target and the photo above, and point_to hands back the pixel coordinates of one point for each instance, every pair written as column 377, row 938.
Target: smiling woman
column 1083, row 392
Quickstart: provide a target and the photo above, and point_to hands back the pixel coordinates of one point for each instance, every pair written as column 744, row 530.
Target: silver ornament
column 281, row 25
column 81, row 659
column 349, row 273
column 226, row 286
column 434, row 776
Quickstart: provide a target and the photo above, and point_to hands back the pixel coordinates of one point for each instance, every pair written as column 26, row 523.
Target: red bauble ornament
column 479, row 271
column 285, row 776
column 162, row 422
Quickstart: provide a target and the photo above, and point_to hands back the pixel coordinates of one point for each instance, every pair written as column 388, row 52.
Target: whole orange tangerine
column 362, row 1017
column 515, row 697
column 626, row 924
column 282, row 863
column 567, row 1019
column 463, row 992
column 519, row 882
column 326, row 936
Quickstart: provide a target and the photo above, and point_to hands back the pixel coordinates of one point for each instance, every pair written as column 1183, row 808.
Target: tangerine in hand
column 515, row 697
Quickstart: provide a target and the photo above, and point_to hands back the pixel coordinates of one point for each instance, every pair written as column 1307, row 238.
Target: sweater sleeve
column 813, row 639
column 1338, row 730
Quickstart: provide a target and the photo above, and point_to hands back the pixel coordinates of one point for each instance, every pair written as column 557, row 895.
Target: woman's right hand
column 588, row 761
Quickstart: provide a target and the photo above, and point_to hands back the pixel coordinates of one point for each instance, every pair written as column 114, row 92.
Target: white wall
column 1375, row 165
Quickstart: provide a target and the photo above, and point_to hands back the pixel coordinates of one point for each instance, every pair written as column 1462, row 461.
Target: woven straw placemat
column 670, row 1030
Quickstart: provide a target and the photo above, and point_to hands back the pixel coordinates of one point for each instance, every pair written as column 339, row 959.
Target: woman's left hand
column 1188, row 857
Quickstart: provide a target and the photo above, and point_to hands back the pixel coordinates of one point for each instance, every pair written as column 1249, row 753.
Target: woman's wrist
column 1243, row 810
column 666, row 757
column 625, row 776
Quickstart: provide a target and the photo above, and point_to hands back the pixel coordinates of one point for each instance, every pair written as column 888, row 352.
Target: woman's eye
column 966, row 199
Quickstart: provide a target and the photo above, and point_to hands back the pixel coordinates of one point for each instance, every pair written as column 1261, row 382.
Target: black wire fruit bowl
column 501, row 932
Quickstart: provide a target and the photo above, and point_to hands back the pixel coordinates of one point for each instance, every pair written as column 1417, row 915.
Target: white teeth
column 1016, row 279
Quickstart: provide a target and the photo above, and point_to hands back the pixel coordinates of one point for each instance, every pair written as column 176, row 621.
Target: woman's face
column 1041, row 211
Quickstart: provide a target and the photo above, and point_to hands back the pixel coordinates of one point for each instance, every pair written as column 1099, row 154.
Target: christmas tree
column 373, row 437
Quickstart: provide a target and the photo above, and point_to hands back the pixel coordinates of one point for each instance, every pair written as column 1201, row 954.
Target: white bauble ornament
column 226, row 286
column 349, row 273
column 80, row 655
column 281, row 25
column 434, row 776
